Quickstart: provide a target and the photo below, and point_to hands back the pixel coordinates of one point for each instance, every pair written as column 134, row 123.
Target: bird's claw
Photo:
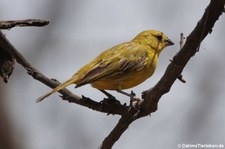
column 132, row 94
column 136, row 104
column 110, row 100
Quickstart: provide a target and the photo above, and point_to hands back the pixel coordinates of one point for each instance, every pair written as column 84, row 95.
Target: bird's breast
column 128, row 80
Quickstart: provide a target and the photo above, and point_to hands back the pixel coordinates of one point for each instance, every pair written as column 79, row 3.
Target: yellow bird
column 121, row 67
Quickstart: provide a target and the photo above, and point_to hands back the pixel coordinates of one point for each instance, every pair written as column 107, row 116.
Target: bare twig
column 151, row 96
column 22, row 23
column 67, row 95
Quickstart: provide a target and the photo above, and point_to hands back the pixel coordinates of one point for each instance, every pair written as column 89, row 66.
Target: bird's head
column 153, row 38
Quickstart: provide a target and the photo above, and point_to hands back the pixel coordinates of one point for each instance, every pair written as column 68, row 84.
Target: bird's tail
column 61, row 86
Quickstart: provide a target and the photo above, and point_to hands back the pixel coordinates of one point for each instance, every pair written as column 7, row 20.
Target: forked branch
column 151, row 96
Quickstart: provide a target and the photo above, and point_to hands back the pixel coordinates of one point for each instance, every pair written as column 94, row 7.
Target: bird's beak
column 169, row 42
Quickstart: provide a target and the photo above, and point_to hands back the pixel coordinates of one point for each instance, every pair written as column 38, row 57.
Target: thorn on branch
column 85, row 98
column 55, row 80
column 182, row 40
column 180, row 77
column 22, row 23
column 32, row 72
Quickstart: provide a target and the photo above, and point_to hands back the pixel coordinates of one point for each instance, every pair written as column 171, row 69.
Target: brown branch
column 7, row 64
column 118, row 130
column 116, row 108
column 22, row 23
column 214, row 10
column 152, row 96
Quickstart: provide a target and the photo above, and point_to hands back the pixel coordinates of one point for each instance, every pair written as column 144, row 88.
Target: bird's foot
column 110, row 100
column 131, row 95
column 135, row 103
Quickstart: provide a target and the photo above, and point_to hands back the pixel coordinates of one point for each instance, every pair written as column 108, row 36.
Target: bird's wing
column 118, row 60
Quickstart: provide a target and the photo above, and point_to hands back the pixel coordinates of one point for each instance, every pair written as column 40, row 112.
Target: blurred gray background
column 79, row 30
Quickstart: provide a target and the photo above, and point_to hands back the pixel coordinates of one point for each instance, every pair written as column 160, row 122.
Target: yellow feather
column 123, row 66
column 61, row 86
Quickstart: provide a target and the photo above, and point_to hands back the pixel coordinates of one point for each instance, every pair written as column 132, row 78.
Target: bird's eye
column 159, row 37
